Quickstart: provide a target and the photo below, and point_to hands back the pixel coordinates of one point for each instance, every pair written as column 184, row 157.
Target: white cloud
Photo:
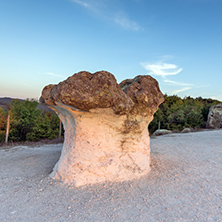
column 80, row 2
column 219, row 97
column 109, row 11
column 162, row 69
column 174, row 92
column 176, row 83
column 122, row 20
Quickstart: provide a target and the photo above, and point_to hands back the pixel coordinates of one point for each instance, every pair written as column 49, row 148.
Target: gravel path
column 185, row 184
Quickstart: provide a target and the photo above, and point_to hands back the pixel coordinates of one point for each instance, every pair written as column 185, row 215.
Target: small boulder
column 161, row 132
column 187, row 130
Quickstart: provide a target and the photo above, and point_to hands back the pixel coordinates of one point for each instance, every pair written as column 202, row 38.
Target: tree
column 24, row 114
column 176, row 113
column 158, row 117
column 30, row 123
column 46, row 126
column 3, row 120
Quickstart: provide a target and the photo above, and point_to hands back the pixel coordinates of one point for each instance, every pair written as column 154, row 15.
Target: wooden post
column 7, row 129
column 159, row 125
column 60, row 129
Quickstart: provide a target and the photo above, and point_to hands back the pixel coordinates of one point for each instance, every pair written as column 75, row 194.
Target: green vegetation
column 2, row 124
column 176, row 113
column 28, row 122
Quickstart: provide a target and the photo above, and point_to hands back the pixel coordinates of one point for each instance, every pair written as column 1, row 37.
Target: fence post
column 7, row 129
column 159, row 125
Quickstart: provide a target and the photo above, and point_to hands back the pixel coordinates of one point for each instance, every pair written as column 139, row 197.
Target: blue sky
column 178, row 42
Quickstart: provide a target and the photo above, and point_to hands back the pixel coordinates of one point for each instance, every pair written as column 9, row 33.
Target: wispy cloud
column 165, row 70
column 53, row 74
column 107, row 10
column 174, row 92
column 122, row 20
column 176, row 83
column 219, row 97
column 162, row 69
column 80, row 2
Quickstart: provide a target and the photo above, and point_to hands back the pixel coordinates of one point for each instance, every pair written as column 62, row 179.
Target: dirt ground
column 185, row 184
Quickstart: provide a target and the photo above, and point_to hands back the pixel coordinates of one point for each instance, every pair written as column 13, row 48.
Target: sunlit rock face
column 215, row 117
column 106, row 134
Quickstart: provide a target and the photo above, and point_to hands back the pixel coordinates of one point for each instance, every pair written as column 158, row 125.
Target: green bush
column 43, row 128
column 30, row 123
column 24, row 114
column 176, row 113
column 2, row 125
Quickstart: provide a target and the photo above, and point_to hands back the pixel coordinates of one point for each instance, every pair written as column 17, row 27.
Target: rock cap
column 87, row 91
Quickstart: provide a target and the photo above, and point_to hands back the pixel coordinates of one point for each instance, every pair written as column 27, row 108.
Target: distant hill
column 5, row 102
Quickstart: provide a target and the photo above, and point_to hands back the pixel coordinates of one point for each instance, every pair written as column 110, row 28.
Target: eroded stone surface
column 87, row 91
column 144, row 92
column 106, row 135
column 215, row 117
column 161, row 132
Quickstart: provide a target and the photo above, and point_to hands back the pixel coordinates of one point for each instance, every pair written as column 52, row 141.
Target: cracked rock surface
column 215, row 117
column 106, row 135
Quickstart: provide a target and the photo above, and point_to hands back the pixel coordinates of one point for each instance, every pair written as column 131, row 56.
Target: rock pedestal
column 106, row 134
column 215, row 117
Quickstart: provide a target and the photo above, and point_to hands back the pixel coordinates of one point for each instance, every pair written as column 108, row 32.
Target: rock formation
column 106, row 135
column 215, row 117
column 161, row 132
column 187, row 130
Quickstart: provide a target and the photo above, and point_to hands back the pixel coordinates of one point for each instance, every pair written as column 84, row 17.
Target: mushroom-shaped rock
column 106, row 134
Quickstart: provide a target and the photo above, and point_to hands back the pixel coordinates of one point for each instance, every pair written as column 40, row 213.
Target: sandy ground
column 185, row 184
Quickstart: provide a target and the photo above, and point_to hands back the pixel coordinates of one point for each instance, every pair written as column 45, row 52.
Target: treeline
column 177, row 113
column 27, row 122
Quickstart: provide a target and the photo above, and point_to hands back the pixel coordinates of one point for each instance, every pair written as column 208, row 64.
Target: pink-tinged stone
column 106, row 126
